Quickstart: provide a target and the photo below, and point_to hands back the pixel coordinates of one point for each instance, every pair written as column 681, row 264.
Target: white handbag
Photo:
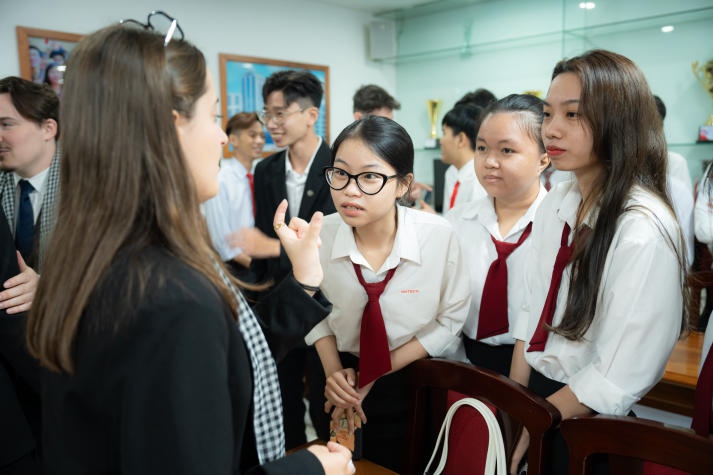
column 495, row 458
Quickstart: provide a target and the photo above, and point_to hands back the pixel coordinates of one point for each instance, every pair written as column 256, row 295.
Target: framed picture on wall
column 241, row 81
column 43, row 54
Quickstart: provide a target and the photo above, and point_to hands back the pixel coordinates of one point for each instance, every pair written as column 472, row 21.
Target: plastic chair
column 433, row 382
column 634, row 438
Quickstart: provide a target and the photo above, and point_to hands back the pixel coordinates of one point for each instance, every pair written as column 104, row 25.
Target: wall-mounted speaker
column 382, row 40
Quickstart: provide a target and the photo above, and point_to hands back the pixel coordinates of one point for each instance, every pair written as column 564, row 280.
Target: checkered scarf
column 267, row 402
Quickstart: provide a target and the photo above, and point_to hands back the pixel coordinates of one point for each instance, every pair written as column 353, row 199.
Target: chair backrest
column 635, row 438
column 697, row 281
column 432, row 383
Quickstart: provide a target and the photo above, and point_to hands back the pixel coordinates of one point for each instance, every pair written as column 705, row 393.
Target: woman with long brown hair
column 604, row 281
column 135, row 315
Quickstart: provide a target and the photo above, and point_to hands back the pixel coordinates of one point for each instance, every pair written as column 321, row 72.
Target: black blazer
column 19, row 372
column 270, row 190
column 168, row 390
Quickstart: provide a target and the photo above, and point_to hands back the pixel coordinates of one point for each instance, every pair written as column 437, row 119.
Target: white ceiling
column 377, row 6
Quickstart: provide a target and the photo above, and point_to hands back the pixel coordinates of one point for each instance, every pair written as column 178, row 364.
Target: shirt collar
column 289, row 171
column 569, row 205
column 37, row 181
column 466, row 173
column 484, row 210
column 234, row 166
column 406, row 245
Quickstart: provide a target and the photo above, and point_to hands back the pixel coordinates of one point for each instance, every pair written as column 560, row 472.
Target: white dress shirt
column 474, row 223
column 469, row 189
column 703, row 211
column 682, row 201
column 678, row 168
column 39, row 183
column 231, row 209
column 624, row 352
column 556, row 177
column 427, row 298
column 295, row 182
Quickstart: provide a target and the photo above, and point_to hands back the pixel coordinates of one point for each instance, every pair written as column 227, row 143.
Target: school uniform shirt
column 555, row 177
column 677, row 167
column 469, row 189
column 474, row 223
column 703, row 212
column 682, row 201
column 638, row 315
column 295, row 182
column 427, row 298
column 231, row 209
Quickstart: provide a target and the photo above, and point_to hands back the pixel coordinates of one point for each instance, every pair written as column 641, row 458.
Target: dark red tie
column 454, row 194
column 374, row 355
column 702, row 417
column 493, row 314
column 538, row 340
column 252, row 191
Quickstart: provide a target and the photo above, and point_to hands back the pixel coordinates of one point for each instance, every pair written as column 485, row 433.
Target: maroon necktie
column 702, row 416
column 374, row 355
column 539, row 338
column 252, row 191
column 493, row 314
column 454, row 194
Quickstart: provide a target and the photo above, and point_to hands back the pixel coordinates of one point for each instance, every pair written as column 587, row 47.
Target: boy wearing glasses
column 292, row 99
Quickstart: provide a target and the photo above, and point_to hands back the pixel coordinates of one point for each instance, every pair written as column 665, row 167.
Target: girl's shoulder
column 644, row 204
column 418, row 217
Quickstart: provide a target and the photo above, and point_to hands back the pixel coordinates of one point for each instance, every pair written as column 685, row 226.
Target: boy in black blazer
column 292, row 100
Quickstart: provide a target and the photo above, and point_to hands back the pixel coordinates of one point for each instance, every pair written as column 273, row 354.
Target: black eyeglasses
column 370, row 183
column 160, row 22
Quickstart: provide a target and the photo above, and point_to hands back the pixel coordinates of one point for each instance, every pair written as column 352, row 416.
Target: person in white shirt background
column 460, row 127
column 509, row 158
column 233, row 208
column 423, row 305
column 680, row 189
column 599, row 340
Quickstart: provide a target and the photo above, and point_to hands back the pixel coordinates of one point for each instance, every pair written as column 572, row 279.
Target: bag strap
column 496, row 448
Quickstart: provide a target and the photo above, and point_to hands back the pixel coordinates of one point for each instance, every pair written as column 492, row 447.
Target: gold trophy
column 433, row 106
column 704, row 74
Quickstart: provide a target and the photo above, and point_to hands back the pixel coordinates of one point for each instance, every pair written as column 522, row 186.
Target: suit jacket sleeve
column 299, row 462
column 287, row 313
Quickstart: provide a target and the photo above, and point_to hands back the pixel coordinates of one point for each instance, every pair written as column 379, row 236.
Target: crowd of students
column 182, row 303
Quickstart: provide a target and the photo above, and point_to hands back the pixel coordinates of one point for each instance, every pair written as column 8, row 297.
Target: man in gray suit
column 29, row 180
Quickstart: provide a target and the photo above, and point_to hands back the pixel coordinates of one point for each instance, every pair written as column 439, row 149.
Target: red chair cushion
column 656, row 469
column 467, row 439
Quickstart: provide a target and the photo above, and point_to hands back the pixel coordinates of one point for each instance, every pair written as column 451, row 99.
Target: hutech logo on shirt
column 410, row 291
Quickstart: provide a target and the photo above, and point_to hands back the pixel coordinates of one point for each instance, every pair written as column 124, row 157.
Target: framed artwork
column 43, row 54
column 241, row 81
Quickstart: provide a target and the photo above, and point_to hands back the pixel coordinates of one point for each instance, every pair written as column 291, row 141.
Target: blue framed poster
column 241, row 81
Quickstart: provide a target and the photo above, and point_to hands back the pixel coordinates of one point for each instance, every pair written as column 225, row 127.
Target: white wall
column 301, row 31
